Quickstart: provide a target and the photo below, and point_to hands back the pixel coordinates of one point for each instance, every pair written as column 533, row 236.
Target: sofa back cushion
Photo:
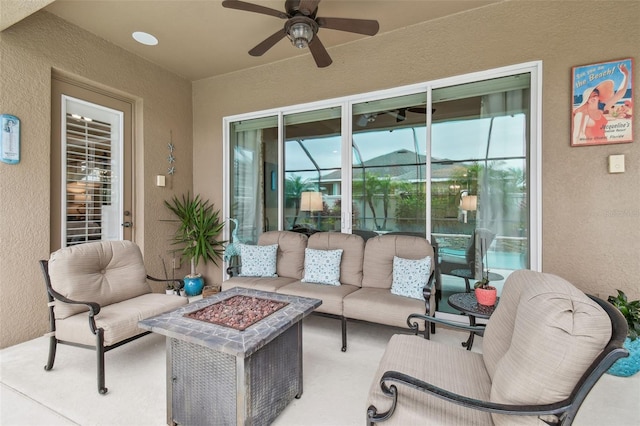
column 104, row 272
column 557, row 332
column 379, row 252
column 290, row 257
column 352, row 253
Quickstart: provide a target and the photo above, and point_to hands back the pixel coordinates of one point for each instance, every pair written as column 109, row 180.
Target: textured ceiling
column 199, row 39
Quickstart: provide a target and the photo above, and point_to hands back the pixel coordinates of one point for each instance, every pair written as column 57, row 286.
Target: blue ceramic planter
column 629, row 366
column 193, row 285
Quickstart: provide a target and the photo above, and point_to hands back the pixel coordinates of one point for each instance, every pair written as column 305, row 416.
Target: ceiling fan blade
column 268, row 43
column 359, row 26
column 307, row 7
column 250, row 7
column 320, row 54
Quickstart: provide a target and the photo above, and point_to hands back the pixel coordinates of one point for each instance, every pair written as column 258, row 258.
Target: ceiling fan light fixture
column 301, row 34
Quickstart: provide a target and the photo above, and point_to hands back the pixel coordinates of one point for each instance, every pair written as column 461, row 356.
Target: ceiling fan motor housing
column 301, row 30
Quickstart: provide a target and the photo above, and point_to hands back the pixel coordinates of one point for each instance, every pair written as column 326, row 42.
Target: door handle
column 127, row 224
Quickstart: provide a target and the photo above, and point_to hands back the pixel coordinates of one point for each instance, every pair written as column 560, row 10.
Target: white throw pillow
column 322, row 266
column 258, row 261
column 410, row 276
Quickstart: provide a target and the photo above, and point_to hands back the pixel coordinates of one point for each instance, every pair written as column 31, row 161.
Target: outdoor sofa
column 359, row 284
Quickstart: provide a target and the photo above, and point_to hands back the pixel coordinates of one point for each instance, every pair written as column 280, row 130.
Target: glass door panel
column 253, row 176
column 389, row 165
column 479, row 197
column 312, row 170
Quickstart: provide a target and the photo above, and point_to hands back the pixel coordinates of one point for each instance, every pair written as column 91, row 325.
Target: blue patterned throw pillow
column 322, row 266
column 410, row 276
column 258, row 261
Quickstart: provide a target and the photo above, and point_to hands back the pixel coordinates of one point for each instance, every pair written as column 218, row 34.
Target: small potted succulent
column 630, row 310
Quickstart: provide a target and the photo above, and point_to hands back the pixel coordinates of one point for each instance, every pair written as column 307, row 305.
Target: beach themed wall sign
column 602, row 103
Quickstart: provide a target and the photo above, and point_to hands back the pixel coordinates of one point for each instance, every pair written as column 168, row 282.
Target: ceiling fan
column 302, row 26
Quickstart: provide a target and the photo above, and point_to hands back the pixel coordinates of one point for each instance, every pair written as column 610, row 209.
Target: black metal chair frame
column 94, row 309
column 565, row 410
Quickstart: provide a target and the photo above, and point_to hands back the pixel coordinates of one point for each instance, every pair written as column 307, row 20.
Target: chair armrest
column 493, row 407
column 177, row 280
column 94, row 308
column 413, row 324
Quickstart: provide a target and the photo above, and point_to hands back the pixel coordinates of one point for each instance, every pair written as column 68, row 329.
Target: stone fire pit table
column 218, row 375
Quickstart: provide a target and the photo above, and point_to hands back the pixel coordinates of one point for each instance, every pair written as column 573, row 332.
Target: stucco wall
column 591, row 219
column 29, row 51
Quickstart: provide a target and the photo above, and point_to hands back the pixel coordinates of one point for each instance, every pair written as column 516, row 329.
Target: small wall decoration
column 171, row 159
column 602, row 103
column 10, row 140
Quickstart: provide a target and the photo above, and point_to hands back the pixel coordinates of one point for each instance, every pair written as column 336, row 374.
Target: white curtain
column 248, row 202
column 493, row 199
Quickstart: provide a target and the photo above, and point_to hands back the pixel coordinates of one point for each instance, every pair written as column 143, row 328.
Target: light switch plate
column 160, row 180
column 616, row 163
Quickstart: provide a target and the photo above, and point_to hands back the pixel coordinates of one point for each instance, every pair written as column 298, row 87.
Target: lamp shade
column 470, row 202
column 310, row 201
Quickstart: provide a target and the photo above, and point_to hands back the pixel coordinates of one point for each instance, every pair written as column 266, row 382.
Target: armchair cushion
column 463, row 373
column 119, row 321
column 106, row 273
column 557, row 333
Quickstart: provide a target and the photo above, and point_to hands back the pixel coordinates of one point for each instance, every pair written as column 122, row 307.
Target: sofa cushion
column 379, row 305
column 118, row 320
column 410, row 276
column 258, row 261
column 331, row 296
column 463, row 373
column 379, row 253
column 104, row 272
column 558, row 332
column 352, row 253
column 258, row 283
column 290, row 257
column 322, row 266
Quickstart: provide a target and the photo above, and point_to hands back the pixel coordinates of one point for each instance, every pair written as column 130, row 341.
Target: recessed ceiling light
column 144, row 38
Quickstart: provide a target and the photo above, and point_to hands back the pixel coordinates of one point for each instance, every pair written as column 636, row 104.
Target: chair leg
column 100, row 352
column 344, row 334
column 53, row 344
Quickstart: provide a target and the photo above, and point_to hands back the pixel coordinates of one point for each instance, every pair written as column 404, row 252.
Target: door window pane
column 93, row 162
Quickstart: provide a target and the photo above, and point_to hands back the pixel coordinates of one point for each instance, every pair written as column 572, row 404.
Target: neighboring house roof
column 400, row 165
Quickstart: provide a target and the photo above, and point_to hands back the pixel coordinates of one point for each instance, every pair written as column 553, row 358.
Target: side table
column 468, row 274
column 468, row 304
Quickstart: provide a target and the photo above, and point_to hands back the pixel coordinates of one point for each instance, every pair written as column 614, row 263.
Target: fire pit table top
column 242, row 343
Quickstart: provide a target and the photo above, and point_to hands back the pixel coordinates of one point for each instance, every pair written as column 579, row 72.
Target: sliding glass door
column 455, row 161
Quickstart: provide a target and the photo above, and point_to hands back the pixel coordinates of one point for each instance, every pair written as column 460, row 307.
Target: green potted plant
column 199, row 226
column 630, row 310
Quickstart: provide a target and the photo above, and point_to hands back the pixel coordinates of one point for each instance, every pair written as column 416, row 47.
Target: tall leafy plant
column 198, row 230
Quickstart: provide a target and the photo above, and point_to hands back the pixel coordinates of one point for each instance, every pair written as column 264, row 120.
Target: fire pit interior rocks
column 238, row 312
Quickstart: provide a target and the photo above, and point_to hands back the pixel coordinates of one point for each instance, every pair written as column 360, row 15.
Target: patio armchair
column 544, row 348
column 97, row 292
